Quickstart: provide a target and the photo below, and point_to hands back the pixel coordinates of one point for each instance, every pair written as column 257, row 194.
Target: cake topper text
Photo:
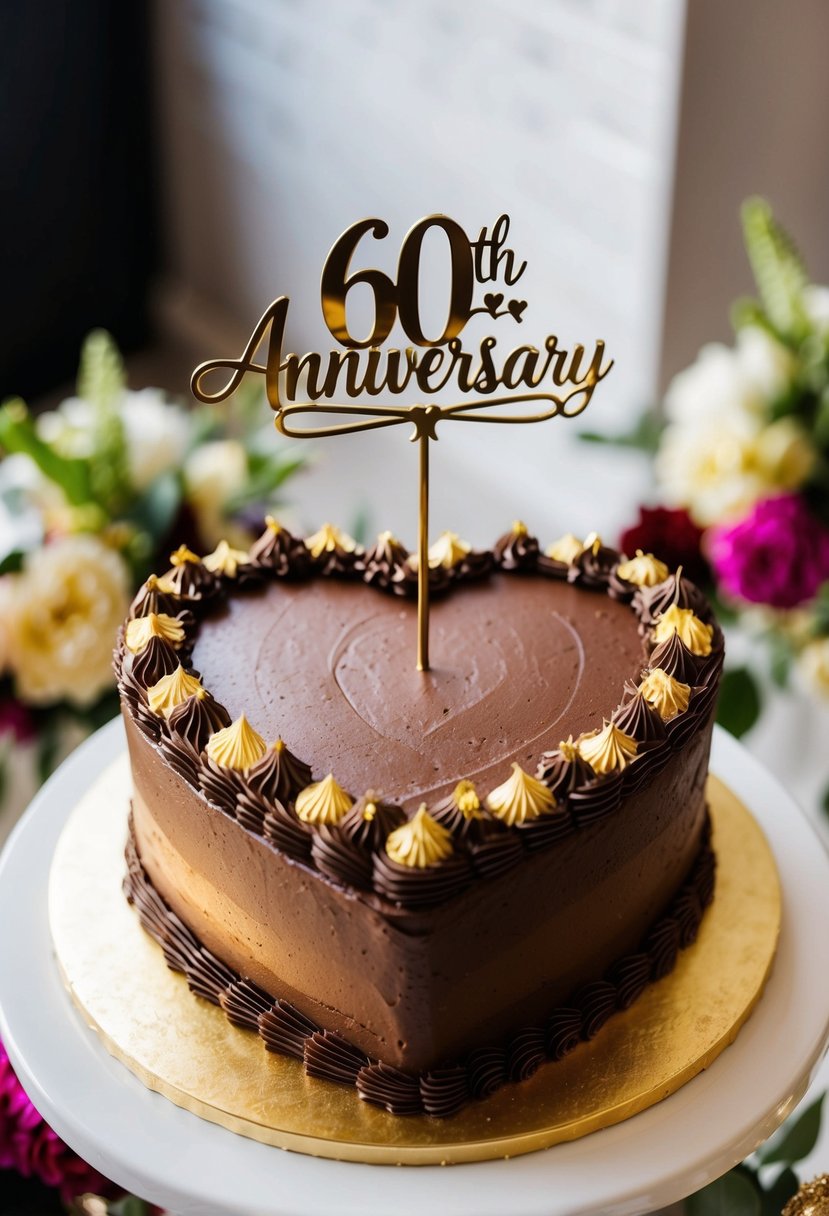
column 550, row 379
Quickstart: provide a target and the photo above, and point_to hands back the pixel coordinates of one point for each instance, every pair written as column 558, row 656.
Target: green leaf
column 643, row 436
column 12, row 563
column 157, row 507
column 780, row 655
column 820, row 611
column 129, row 1205
column 796, row 1138
column 267, row 476
column 778, row 270
column 739, row 703
column 48, row 747
column 780, row 1192
column 101, row 375
column 735, row 1194
column 824, row 802
column 360, row 524
column 18, row 435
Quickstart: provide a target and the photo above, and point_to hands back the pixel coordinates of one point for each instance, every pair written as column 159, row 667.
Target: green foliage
column 644, row 436
column 824, row 802
column 739, row 704
column 101, row 375
column 796, row 1138
column 266, row 475
column 12, row 563
column 778, row 271
column 820, row 613
column 734, row 1194
column 18, row 435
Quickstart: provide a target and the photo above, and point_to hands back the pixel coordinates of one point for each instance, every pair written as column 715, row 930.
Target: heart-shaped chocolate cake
column 423, row 884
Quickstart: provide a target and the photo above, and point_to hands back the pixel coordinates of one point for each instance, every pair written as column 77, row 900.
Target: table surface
column 170, row 1156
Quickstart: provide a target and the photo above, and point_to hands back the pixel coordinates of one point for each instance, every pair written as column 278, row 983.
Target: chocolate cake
column 423, row 885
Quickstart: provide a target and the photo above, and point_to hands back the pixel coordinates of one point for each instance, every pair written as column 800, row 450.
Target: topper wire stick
column 522, row 374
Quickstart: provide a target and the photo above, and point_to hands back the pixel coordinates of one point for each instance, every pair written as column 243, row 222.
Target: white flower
column 816, row 304
column 156, row 435
column 213, row 474
column 718, row 454
column 61, row 615
column 730, row 380
column 709, row 469
column 813, row 667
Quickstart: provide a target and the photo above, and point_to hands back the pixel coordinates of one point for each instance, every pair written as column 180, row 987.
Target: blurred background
column 171, row 168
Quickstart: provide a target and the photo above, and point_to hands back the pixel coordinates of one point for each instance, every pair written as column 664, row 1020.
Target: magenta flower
column 29, row 1146
column 777, row 555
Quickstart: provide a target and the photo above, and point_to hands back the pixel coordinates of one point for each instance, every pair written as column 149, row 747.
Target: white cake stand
column 177, row 1160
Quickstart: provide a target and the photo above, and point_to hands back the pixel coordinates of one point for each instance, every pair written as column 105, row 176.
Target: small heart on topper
column 493, row 301
column 516, row 308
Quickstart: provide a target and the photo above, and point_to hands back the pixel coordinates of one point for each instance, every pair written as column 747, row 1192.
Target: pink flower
column 16, row 720
column 777, row 555
column 29, row 1145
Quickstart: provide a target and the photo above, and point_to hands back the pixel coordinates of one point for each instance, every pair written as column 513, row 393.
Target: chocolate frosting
column 196, row 718
column 477, row 563
column 552, row 568
column 279, row 775
column 444, row 1091
column 439, row 1091
column 384, row 565
column 341, row 858
column 596, row 799
column 221, row 786
column 486, row 1071
column 368, row 830
column 562, row 1032
column 243, row 1003
column 597, row 1002
column 181, row 756
column 338, row 562
column 497, row 851
column 593, row 570
column 525, row 1053
column 150, row 599
column 284, row 1029
column 651, row 602
column 637, row 719
column 673, row 656
column 516, row 550
column 630, row 976
column 385, row 1086
column 546, row 830
column 282, row 828
column 332, row 1058
column 157, row 659
column 409, row 887
column 193, row 581
column 280, row 553
column 563, row 774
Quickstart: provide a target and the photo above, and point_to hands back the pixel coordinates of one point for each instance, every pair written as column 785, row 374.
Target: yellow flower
column 60, row 616
column 813, row 667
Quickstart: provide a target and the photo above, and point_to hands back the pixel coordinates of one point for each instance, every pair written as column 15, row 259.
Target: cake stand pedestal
column 174, row 1158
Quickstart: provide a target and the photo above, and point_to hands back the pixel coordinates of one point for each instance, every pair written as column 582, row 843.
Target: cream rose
column 61, row 615
column 813, row 667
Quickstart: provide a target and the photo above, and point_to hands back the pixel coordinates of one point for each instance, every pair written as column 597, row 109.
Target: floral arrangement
column 92, row 497
column 741, row 461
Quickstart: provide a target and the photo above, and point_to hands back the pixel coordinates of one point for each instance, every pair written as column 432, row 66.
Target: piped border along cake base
column 185, row 1048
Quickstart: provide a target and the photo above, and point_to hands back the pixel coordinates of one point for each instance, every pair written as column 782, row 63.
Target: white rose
column 710, row 469
column 813, row 667
column 213, row 474
column 730, row 380
column 156, row 435
column 784, row 454
column 61, row 615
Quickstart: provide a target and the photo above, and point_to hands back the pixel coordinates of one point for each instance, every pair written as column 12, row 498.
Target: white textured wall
column 284, row 122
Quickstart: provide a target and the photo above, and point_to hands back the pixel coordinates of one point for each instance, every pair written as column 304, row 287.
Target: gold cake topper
column 550, row 379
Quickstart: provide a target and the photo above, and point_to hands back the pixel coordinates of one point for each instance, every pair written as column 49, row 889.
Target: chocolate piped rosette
column 423, row 885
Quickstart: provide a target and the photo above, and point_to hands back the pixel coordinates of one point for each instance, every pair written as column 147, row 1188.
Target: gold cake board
column 186, row 1049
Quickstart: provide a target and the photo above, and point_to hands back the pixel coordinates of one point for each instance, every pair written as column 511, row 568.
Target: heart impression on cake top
column 552, row 380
